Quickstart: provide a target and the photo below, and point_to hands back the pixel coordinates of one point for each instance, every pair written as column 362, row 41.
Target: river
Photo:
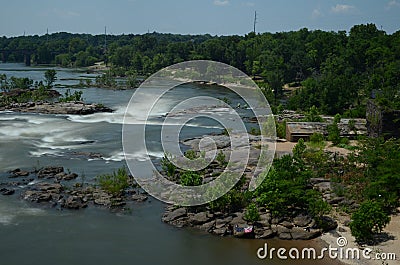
column 33, row 235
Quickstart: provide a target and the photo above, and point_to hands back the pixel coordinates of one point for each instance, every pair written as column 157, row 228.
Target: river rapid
column 30, row 234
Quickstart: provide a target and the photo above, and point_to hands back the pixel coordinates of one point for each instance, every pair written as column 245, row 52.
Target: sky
column 216, row 17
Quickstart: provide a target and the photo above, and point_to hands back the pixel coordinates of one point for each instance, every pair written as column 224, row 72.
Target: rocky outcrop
column 50, row 187
column 77, row 108
column 301, row 227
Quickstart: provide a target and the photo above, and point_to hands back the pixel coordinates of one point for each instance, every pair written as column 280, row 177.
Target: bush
column 190, row 178
column 252, row 214
column 313, row 115
column 317, row 138
column 221, row 159
column 114, row 183
column 71, row 97
column 334, row 133
column 255, row 131
column 191, row 154
column 369, row 219
column 281, row 129
column 167, row 165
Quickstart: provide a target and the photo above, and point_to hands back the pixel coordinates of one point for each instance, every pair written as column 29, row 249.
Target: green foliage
column 255, row 131
column 299, row 148
column 334, row 133
column 226, row 100
column 226, row 131
column 190, row 178
column 8, row 84
column 191, row 154
column 285, row 187
column 369, row 219
column 317, row 207
column 106, row 80
column 71, row 97
column 221, row 158
column 352, row 125
column 167, row 165
column 114, row 183
column 234, row 200
column 313, row 115
column 281, row 129
column 337, row 118
column 337, row 70
column 382, row 172
column 252, row 214
column 50, row 76
column 21, row 82
column 317, row 138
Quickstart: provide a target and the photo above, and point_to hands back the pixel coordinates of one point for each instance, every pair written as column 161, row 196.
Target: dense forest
column 335, row 71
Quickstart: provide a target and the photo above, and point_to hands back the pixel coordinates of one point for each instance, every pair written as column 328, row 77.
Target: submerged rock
column 5, row 191
column 49, row 172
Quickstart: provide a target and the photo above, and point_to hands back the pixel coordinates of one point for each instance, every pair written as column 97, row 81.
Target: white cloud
column 221, row 2
column 250, row 4
column 392, row 4
column 342, row 8
column 316, row 13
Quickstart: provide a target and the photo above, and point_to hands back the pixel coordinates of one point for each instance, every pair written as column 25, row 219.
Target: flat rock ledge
column 73, row 108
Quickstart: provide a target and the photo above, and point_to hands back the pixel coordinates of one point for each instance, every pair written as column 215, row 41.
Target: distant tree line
column 337, row 71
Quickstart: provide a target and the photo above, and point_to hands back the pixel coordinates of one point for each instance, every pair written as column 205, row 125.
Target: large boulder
column 49, row 172
column 302, row 220
column 327, row 223
column 74, row 202
column 173, row 215
column 199, row 218
column 265, row 220
column 299, row 233
column 36, row 196
column 50, row 187
column 264, row 234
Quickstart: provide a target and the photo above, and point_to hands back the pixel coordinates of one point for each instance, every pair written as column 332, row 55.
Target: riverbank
column 388, row 241
column 300, row 227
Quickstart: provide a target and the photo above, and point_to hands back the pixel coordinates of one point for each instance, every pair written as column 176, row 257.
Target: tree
column 369, row 219
column 313, row 115
column 50, row 77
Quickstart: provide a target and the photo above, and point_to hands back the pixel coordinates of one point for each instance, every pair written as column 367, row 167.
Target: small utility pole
column 47, row 36
column 105, row 45
column 255, row 21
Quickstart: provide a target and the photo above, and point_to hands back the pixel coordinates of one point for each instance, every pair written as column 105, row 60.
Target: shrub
column 190, row 178
column 255, row 131
column 167, row 165
column 334, row 133
column 191, row 154
column 317, row 138
column 281, row 129
column 221, row 159
column 114, row 183
column 313, row 115
column 252, row 214
column 370, row 218
column 71, row 97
